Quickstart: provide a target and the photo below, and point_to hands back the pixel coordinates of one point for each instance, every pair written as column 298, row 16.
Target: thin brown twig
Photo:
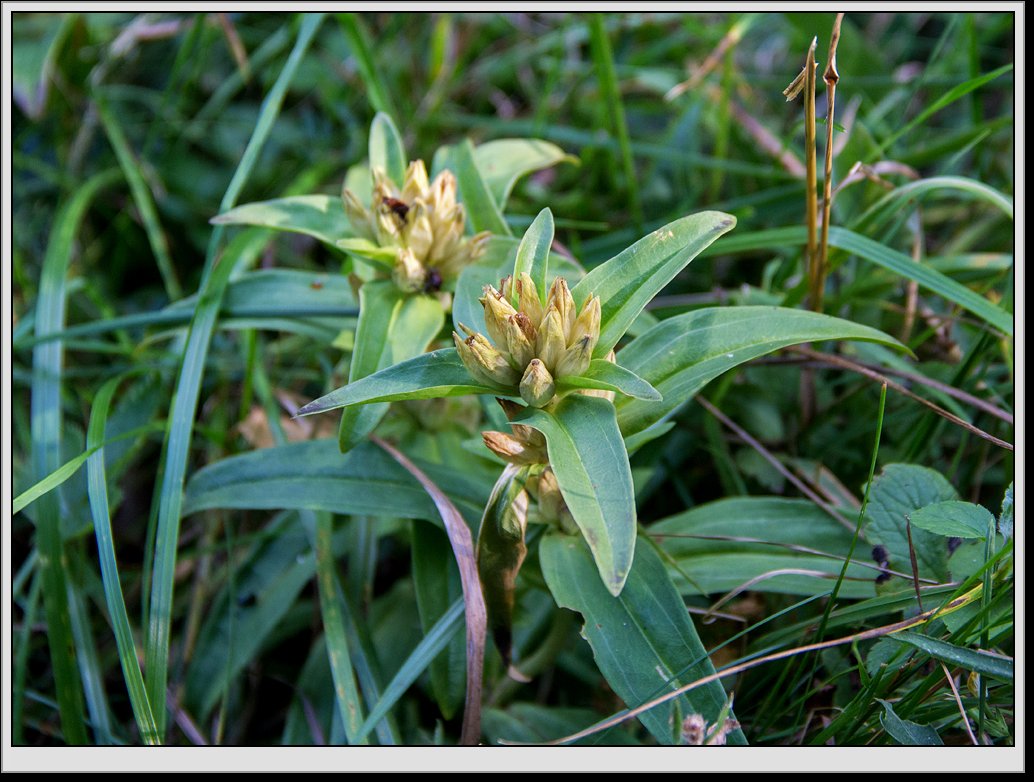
column 880, row 378
column 473, row 599
column 937, row 385
column 876, row 632
column 958, row 701
column 801, row 486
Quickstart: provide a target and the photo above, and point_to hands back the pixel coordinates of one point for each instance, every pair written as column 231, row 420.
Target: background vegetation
column 131, row 132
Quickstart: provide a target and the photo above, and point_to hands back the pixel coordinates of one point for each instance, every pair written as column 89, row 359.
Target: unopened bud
column 528, row 298
column 551, row 343
column 587, row 325
column 552, row 507
column 497, row 312
column 537, row 386
column 409, row 274
column 575, row 359
column 418, row 234
column 520, row 339
column 490, row 362
column 358, row 216
column 560, row 298
column 415, row 183
column 511, row 449
column 443, row 191
column 525, row 434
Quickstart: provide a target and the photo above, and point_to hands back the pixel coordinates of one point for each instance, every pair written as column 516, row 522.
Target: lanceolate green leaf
column 606, row 376
column 386, row 149
column 319, row 216
column 643, row 640
column 791, row 546
column 314, row 475
column 503, row 161
column 98, row 493
column 533, row 255
column 588, row 457
column 928, row 278
column 681, row 355
column 629, row 280
column 910, row 734
column 428, row 376
column 46, row 427
column 482, row 210
column 392, row 327
column 1000, row 668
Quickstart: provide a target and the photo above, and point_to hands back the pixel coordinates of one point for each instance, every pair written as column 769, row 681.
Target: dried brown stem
column 473, row 599
column 831, row 77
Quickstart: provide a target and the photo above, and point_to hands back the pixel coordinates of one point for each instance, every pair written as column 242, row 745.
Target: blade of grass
column 98, row 494
column 71, row 467
column 428, row 648
column 947, row 99
column 142, row 196
column 357, row 35
column 177, row 444
column 46, row 425
column 604, row 60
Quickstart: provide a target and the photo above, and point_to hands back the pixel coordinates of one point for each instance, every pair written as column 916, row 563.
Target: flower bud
column 415, row 182
column 560, row 298
column 409, row 274
column 537, row 386
column 551, row 343
column 487, row 362
column 520, row 340
column 417, row 233
column 575, row 359
column 587, row 324
column 443, row 192
column 358, row 216
column 530, row 437
column 511, row 449
column 497, row 312
column 528, row 298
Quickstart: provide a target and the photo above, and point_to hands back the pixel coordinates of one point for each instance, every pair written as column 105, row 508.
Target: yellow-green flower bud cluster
column 531, row 346
column 422, row 221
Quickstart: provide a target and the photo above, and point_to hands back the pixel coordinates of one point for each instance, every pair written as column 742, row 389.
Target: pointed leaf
column 503, row 161
column 482, row 210
column 644, row 641
column 588, row 457
column 428, row 376
column 392, row 328
column 364, row 248
column 607, row 376
column 982, row 662
column 319, row 216
column 533, row 254
column 629, row 280
column 314, row 475
column 681, row 355
column 386, row 149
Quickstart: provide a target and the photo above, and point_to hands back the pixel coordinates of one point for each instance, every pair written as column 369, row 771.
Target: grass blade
column 98, row 493
column 46, row 426
column 142, row 197
column 604, row 59
column 184, row 407
column 357, row 34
